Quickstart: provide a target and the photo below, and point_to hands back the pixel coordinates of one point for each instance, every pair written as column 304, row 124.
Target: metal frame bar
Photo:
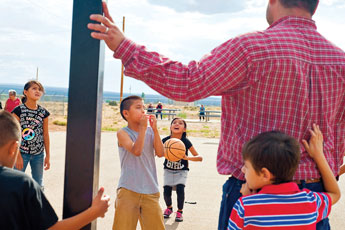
column 84, row 112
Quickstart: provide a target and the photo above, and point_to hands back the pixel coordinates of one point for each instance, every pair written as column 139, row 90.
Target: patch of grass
column 111, row 129
column 206, row 131
column 206, row 127
column 165, row 129
column 60, row 123
column 192, row 131
column 182, row 115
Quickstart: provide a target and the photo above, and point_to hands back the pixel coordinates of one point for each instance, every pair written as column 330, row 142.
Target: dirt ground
column 112, row 120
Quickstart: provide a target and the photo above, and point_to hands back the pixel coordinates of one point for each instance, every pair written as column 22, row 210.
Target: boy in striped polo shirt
column 270, row 198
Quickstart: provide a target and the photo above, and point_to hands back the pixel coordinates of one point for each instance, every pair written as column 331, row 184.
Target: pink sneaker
column 179, row 217
column 167, row 213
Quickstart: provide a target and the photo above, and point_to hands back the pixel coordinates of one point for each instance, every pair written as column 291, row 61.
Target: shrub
column 60, row 123
column 113, row 103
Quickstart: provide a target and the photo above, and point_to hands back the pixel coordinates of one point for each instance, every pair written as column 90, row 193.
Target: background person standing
column 202, row 112
column 159, row 108
column 12, row 101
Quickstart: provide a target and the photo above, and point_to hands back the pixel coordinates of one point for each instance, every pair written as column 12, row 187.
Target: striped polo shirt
column 282, row 206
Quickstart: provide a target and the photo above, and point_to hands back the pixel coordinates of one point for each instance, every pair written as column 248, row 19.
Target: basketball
column 174, row 149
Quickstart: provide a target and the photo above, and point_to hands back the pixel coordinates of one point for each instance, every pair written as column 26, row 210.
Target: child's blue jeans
column 231, row 192
column 36, row 164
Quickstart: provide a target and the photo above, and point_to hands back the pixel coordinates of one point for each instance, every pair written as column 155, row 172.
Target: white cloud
column 202, row 6
column 332, row 2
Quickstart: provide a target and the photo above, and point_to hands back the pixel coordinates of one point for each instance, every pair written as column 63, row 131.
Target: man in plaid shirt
column 284, row 78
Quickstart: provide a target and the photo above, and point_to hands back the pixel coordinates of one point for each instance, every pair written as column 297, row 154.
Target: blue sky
column 36, row 33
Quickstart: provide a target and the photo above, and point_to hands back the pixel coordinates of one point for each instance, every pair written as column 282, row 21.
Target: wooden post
column 37, row 74
column 122, row 67
column 84, row 112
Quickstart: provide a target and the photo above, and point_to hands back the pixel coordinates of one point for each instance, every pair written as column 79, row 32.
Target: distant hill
column 57, row 93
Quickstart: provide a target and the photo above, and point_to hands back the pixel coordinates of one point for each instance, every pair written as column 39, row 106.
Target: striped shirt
column 284, row 78
column 281, row 206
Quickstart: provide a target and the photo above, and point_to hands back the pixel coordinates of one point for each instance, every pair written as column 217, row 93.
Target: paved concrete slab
column 204, row 185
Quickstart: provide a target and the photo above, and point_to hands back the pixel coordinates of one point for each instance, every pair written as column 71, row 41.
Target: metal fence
column 55, row 104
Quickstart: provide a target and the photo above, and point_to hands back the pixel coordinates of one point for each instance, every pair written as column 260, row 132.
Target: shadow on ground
column 171, row 226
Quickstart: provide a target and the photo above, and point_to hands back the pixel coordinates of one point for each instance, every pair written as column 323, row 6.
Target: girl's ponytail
column 23, row 98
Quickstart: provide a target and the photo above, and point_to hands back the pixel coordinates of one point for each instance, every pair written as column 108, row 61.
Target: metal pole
column 84, row 113
column 122, row 67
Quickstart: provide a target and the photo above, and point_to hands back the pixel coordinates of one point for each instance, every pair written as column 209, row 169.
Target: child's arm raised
column 315, row 150
column 98, row 208
column 195, row 157
column 125, row 141
column 157, row 142
column 342, row 170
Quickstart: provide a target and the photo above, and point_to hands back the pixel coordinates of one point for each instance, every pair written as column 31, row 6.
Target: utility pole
column 37, row 74
column 122, row 67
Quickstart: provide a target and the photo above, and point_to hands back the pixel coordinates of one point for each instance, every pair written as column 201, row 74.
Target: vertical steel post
column 84, row 112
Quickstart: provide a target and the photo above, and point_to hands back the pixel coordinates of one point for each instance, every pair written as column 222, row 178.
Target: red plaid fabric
column 284, row 78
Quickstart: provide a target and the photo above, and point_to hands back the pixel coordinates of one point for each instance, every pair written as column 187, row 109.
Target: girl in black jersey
column 175, row 173
column 33, row 119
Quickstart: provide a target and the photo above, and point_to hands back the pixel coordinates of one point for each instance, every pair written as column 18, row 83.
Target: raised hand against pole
column 107, row 30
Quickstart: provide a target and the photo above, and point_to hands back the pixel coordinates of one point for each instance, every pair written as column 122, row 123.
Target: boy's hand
column 19, row 162
column 315, row 146
column 100, row 203
column 153, row 121
column 143, row 122
column 245, row 190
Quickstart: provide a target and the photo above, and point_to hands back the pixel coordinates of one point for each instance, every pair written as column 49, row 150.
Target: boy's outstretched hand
column 315, row 145
column 153, row 121
column 107, row 30
column 315, row 150
column 100, row 203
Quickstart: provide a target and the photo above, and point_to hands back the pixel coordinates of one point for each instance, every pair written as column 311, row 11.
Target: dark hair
column 309, row 5
column 184, row 134
column 276, row 151
column 28, row 85
column 10, row 128
column 127, row 102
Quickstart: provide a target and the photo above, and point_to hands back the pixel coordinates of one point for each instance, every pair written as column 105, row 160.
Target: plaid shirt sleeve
column 197, row 80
